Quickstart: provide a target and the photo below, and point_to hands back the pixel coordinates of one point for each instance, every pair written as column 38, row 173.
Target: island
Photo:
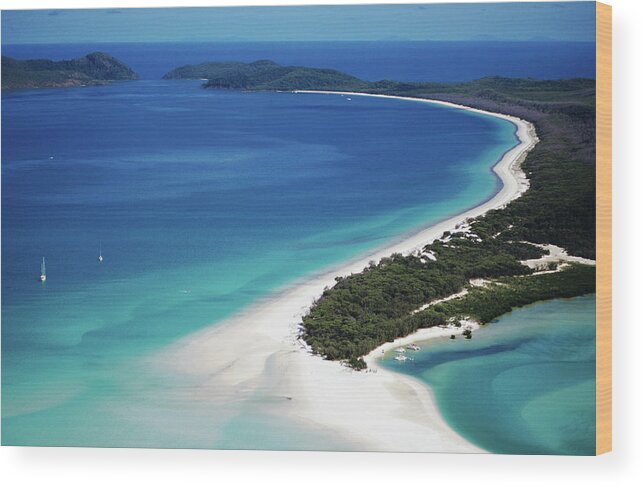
column 266, row 75
column 96, row 68
column 538, row 244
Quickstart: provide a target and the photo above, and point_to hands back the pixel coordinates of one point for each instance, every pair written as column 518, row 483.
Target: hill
column 96, row 68
column 266, row 75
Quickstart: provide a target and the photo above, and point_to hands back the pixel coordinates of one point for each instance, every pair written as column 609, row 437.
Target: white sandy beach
column 256, row 353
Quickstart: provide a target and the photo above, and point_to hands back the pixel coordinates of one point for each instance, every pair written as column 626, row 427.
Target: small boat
column 400, row 350
column 413, row 347
column 43, row 271
column 348, row 99
column 100, row 252
column 401, row 358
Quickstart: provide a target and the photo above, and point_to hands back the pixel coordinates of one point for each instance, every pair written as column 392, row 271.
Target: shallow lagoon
column 525, row 383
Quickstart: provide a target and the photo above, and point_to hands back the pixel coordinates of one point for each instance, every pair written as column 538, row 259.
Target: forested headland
column 96, row 68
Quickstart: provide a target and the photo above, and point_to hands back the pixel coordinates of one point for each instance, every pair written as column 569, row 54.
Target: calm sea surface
column 203, row 202
column 525, row 383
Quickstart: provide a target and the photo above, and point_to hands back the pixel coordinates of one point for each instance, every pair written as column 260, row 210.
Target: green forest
column 365, row 310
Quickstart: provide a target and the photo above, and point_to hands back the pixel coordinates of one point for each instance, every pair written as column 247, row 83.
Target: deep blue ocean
column 204, row 202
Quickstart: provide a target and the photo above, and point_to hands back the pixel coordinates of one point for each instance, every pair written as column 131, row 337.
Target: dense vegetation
column 559, row 208
column 501, row 296
column 93, row 69
column 266, row 75
column 481, row 303
column 367, row 309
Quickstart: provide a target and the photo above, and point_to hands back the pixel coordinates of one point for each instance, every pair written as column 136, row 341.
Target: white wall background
column 57, row 467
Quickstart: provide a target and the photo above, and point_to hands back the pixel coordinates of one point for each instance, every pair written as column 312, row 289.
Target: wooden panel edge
column 603, row 228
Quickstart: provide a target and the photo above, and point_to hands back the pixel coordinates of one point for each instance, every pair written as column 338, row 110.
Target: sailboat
column 100, row 252
column 43, row 271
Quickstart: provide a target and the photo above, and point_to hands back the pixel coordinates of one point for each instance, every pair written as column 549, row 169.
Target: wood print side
column 603, row 228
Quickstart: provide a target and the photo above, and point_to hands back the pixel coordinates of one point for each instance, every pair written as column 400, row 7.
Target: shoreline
column 421, row 335
column 255, row 355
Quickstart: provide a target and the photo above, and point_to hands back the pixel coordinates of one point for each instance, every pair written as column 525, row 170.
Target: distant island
column 267, row 75
column 509, row 257
column 96, row 68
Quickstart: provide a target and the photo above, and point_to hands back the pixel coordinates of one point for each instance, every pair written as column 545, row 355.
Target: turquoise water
column 204, row 202
column 525, row 383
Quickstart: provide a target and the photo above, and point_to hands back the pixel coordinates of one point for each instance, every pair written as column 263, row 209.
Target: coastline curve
column 379, row 411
